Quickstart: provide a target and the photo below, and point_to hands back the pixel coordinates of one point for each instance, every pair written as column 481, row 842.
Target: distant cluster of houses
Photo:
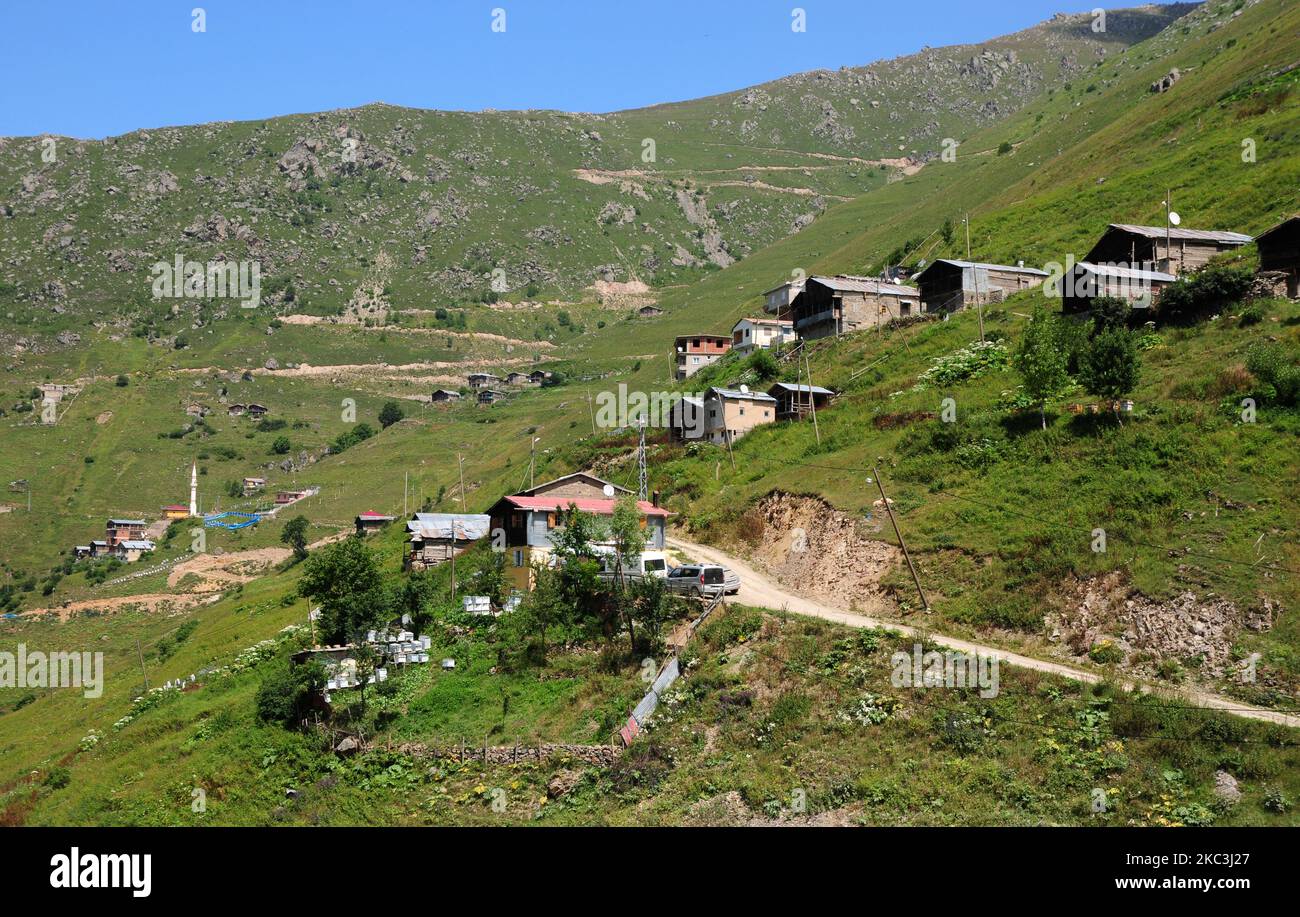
column 1134, row 262
column 1131, row 261
column 488, row 388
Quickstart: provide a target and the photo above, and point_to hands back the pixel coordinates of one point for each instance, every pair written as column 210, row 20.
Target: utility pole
column 461, row 464
column 455, row 529
column 812, row 399
column 591, row 411
column 312, row 621
column 532, row 459
column 979, row 307
column 406, row 486
column 143, row 673
column 902, row 544
column 640, row 463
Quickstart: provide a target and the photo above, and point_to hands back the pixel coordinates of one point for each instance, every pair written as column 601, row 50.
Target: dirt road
column 762, row 591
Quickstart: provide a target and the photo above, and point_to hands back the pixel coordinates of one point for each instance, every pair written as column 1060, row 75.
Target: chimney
column 654, row 498
column 1020, row 263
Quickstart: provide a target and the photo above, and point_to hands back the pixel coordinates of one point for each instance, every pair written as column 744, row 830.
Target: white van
column 647, row 563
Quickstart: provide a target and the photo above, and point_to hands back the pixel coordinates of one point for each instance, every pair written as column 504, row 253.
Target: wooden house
column 435, row 537
column 444, row 395
column 948, row 285
column 696, row 351
column 253, row 485
column 1279, row 251
column 649, row 311
column 371, row 521
column 1085, row 282
column 520, row 380
column 491, row 395
column 541, row 376
column 481, row 380
column 731, row 413
column 831, row 306
column 796, row 401
column 236, row 410
column 1167, row 250
column 285, row 497
column 257, row 411
column 528, row 519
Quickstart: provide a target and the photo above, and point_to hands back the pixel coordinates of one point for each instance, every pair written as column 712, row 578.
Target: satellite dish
column 1174, row 218
column 744, row 390
column 609, row 490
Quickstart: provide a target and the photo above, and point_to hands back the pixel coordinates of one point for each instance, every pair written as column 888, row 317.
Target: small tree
column 295, row 536
column 367, row 662
column 344, row 579
column 1109, row 367
column 627, row 531
column 281, row 445
column 390, row 414
column 1041, row 360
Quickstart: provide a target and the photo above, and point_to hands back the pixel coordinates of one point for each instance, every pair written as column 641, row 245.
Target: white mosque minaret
column 194, row 488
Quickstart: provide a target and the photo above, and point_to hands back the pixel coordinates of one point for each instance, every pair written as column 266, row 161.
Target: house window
column 695, row 359
column 742, row 410
column 519, row 557
column 766, row 412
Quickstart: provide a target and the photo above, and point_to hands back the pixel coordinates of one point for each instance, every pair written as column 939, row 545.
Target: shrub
column 1277, row 372
column 1211, row 289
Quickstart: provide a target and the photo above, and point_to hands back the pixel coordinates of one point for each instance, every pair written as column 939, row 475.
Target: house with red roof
column 371, row 521
column 529, row 518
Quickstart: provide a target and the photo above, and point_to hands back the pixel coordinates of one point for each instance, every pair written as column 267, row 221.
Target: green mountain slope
column 998, row 512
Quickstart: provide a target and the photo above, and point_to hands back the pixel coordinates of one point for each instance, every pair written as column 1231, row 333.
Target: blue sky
column 94, row 69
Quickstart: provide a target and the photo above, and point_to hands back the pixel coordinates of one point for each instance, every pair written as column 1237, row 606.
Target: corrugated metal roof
column 467, row 526
column 866, row 285
column 1175, row 232
column 966, row 265
column 1125, row 273
column 126, row 522
column 791, row 387
column 137, row 545
column 737, row 395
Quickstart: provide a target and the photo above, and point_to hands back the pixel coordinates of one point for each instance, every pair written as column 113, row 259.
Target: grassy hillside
column 999, row 513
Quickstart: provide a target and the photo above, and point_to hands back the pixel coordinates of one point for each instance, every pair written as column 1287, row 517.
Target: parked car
column 698, row 580
column 732, row 580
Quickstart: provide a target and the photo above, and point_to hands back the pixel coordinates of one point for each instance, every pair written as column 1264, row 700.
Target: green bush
column 1211, row 289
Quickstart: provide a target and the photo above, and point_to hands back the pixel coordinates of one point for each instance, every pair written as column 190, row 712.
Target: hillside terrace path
column 762, row 591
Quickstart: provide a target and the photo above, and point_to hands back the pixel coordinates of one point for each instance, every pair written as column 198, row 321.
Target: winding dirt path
column 761, row 590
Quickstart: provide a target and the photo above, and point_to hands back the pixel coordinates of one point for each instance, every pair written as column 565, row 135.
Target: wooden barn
column 435, row 537
column 1279, row 250
column 948, row 285
column 1169, row 250
column 443, row 395
column 1085, row 282
column 831, row 306
column 794, row 402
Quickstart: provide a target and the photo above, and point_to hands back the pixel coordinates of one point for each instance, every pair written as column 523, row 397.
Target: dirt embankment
column 817, row 550
column 1108, row 615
